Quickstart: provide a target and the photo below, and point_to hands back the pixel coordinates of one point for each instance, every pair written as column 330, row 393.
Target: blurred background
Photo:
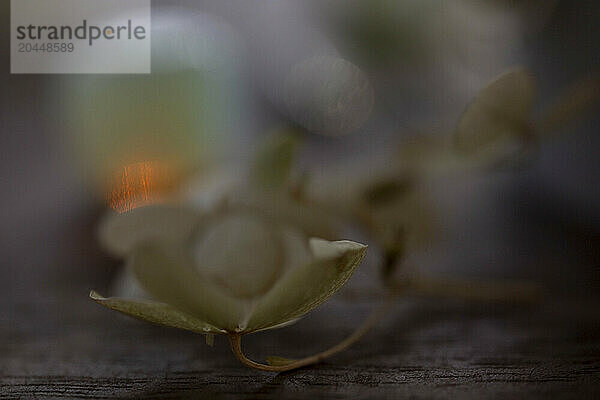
column 353, row 79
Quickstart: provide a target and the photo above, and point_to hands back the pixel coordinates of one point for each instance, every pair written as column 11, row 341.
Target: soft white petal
column 295, row 246
column 241, row 253
column 125, row 285
column 120, row 233
column 168, row 273
column 281, row 209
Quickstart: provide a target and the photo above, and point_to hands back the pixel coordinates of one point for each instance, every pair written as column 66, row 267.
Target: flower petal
column 119, row 233
column 125, row 285
column 500, row 112
column 282, row 209
column 155, row 312
column 167, row 272
column 240, row 253
column 295, row 247
column 306, row 287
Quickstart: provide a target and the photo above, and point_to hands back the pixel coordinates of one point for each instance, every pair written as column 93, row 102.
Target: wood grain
column 65, row 346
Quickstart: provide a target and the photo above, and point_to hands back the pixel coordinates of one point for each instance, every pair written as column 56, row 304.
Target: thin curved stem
column 235, row 341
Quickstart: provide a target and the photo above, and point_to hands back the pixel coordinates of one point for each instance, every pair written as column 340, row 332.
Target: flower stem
column 235, row 341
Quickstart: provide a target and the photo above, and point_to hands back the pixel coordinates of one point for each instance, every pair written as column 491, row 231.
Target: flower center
column 241, row 253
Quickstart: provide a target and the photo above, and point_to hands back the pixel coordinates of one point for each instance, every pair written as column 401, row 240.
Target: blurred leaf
column 273, row 162
column 571, row 104
column 429, row 155
column 386, row 191
column 499, row 115
column 406, row 224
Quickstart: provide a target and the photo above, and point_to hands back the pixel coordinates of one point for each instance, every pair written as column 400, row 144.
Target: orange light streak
column 138, row 184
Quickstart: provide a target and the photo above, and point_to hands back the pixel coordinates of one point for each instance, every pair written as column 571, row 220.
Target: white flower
column 232, row 271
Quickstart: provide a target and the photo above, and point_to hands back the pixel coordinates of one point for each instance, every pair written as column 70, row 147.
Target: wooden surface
column 58, row 344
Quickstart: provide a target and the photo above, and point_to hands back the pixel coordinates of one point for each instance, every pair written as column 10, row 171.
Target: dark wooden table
column 58, row 344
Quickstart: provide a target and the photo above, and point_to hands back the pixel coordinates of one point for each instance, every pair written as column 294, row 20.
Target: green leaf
column 155, row 312
column 303, row 288
column 499, row 113
column 274, row 161
column 120, row 233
